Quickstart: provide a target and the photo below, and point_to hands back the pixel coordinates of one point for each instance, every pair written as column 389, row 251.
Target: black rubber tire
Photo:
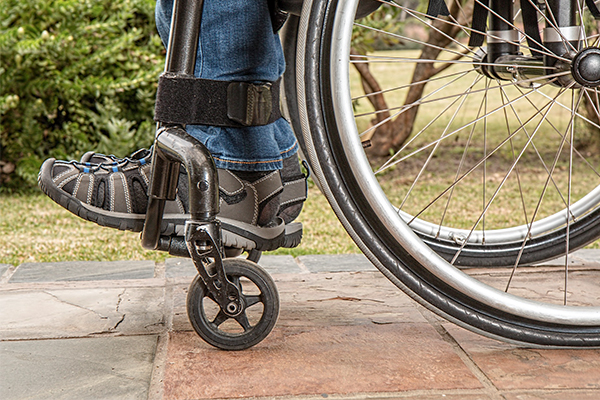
column 369, row 231
column 210, row 332
column 289, row 40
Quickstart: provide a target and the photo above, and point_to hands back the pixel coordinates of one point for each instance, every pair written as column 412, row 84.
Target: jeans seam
column 273, row 160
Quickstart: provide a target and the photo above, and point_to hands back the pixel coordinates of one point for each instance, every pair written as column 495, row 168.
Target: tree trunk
column 391, row 135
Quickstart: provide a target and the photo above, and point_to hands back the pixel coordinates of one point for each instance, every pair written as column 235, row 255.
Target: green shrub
column 75, row 75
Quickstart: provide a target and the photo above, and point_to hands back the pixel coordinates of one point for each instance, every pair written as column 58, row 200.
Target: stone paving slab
column 337, row 334
column 55, row 313
column 545, row 283
column 569, row 394
column 92, row 368
column 471, row 394
column 318, row 360
column 280, row 264
column 83, row 271
column 582, row 257
column 422, row 395
column 336, row 263
column 326, row 299
column 344, row 332
column 512, row 367
column 273, row 264
column 3, row 269
column 179, row 267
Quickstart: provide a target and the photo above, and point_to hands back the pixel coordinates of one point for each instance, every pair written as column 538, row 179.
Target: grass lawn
column 35, row 229
column 422, row 179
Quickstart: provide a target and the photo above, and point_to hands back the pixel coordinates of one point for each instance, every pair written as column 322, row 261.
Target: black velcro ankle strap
column 250, row 104
column 195, row 101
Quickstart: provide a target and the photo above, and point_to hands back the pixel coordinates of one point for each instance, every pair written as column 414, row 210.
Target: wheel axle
column 581, row 70
column 585, row 67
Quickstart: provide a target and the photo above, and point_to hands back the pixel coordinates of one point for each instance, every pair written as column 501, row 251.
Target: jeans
column 237, row 43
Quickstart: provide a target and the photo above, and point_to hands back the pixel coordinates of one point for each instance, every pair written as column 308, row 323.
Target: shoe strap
column 294, row 191
column 268, row 186
column 265, row 187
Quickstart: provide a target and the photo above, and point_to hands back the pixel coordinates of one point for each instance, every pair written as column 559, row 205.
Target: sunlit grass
column 35, row 229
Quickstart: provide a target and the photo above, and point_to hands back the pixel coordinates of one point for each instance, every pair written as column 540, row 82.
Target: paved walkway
column 119, row 330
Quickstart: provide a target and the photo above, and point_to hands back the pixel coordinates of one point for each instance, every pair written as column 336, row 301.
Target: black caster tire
column 257, row 318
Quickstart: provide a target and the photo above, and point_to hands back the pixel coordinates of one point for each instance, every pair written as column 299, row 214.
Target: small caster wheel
column 250, row 325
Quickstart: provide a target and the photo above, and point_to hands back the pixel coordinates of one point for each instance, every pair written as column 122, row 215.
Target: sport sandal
column 294, row 193
column 115, row 195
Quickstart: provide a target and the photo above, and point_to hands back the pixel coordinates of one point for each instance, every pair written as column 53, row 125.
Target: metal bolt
column 232, row 308
column 203, row 186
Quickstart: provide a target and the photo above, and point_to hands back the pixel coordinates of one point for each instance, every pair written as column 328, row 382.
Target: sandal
column 294, row 193
column 114, row 194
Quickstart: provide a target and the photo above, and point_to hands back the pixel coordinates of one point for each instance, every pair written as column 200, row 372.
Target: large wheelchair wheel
column 503, row 196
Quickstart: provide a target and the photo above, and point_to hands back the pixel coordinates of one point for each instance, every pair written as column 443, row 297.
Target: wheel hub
column 586, row 67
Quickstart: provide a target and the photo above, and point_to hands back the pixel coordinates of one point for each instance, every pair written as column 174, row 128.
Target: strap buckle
column 249, row 104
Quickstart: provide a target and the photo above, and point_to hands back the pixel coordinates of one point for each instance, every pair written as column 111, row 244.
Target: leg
column 113, row 192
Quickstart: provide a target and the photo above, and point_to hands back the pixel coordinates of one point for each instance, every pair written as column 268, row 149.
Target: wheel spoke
column 242, row 319
column 420, row 42
column 406, row 108
column 460, row 167
column 454, row 132
column 556, row 130
column 544, row 50
column 440, row 31
column 402, row 109
column 530, row 139
column 407, row 86
column 539, row 203
column 593, row 103
column 420, row 102
column 504, row 97
column 431, row 154
column 484, row 177
column 479, row 163
column 372, row 59
column 574, row 106
column 252, row 300
column 534, row 147
column 220, row 318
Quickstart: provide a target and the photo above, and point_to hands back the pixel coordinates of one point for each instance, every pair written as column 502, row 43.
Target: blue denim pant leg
column 237, row 43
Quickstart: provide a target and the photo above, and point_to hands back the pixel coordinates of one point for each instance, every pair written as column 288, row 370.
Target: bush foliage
column 75, row 75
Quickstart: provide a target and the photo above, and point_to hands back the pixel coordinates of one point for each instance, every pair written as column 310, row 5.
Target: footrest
column 289, row 238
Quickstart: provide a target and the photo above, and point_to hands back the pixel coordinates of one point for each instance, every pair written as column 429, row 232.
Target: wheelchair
column 503, row 85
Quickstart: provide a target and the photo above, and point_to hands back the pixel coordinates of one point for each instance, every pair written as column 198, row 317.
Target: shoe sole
column 235, row 234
